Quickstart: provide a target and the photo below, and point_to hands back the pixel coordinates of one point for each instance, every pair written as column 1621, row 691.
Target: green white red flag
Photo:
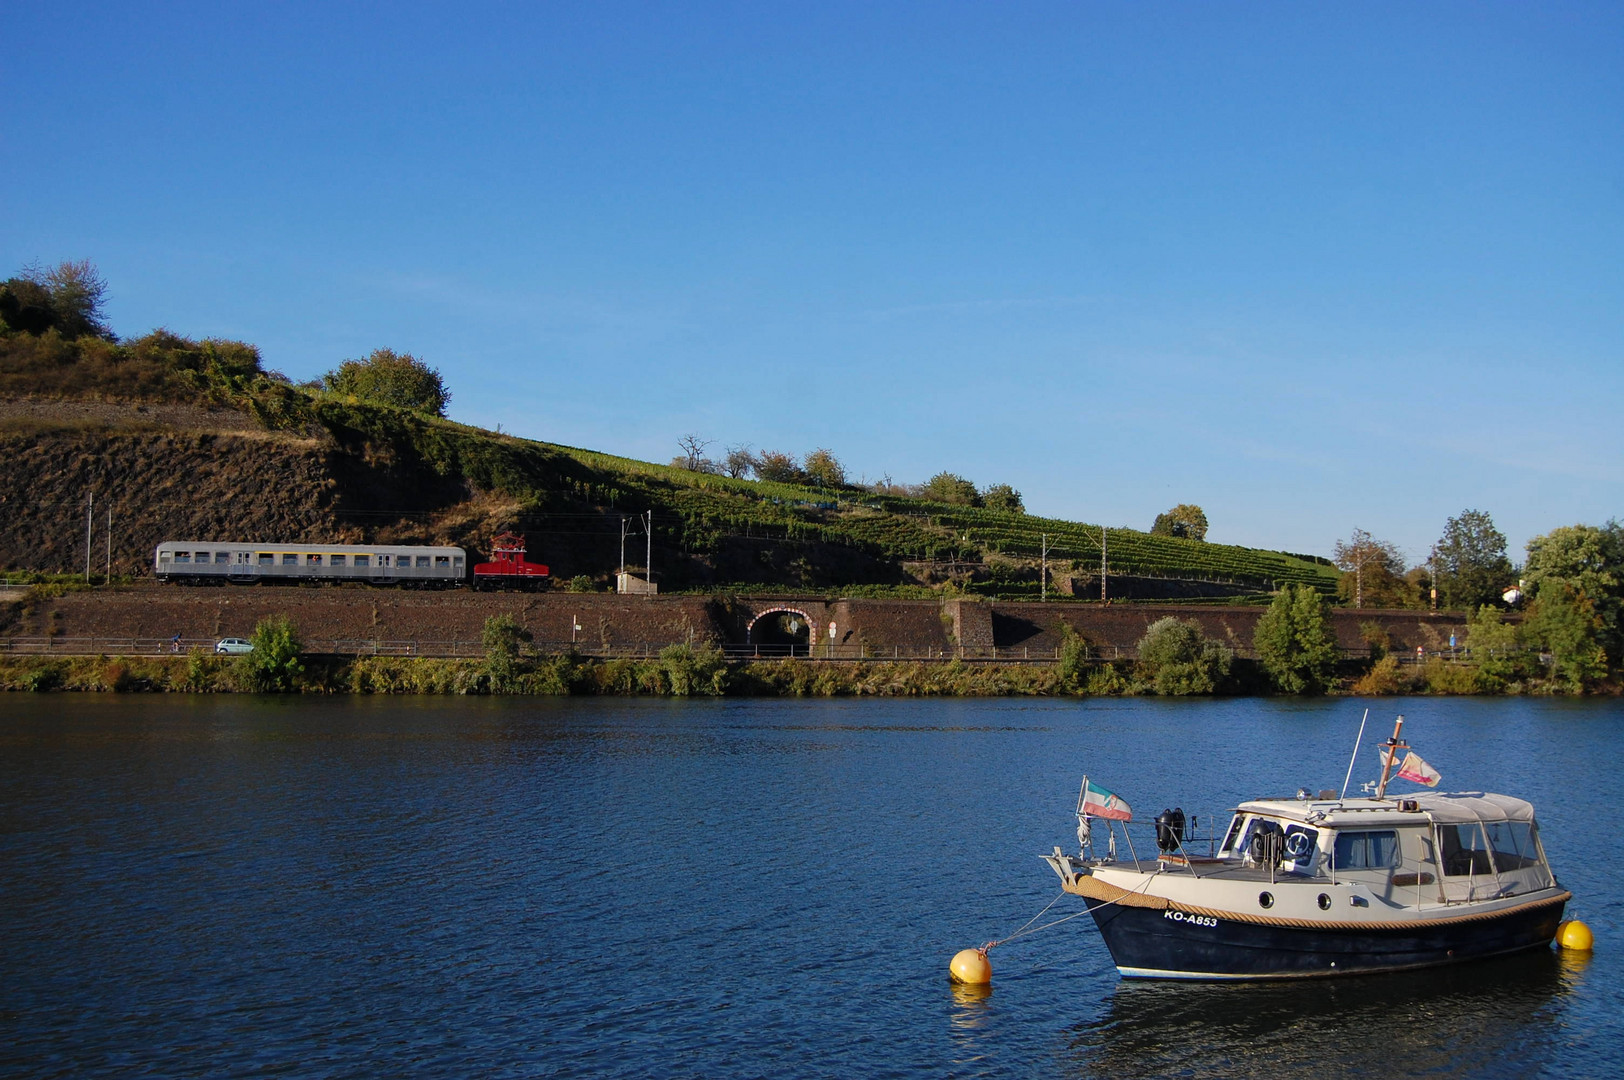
column 1097, row 802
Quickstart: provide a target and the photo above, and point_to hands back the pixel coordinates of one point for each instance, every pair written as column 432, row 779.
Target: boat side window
column 1376, row 849
column 1464, row 850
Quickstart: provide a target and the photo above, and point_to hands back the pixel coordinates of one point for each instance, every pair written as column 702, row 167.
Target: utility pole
column 90, row 520
column 648, row 563
column 1103, row 599
column 1045, row 585
column 622, row 543
column 109, row 580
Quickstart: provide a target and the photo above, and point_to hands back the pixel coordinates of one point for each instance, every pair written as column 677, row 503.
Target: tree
column 67, row 297
column 1185, row 519
column 1564, row 624
column 1496, row 646
column 1177, row 658
column 386, row 377
column 1376, row 568
column 952, row 488
column 274, row 663
column 1003, row 497
column 779, row 468
column 739, row 461
column 693, row 452
column 1472, row 567
column 1294, row 642
column 1590, row 561
column 822, row 469
column 503, row 639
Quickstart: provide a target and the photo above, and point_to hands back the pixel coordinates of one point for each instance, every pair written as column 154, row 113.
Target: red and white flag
column 1413, row 769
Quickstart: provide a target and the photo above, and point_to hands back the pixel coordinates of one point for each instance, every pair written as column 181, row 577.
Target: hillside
column 194, row 439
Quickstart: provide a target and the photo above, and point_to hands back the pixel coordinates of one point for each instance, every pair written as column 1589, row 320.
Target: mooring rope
column 1024, row 932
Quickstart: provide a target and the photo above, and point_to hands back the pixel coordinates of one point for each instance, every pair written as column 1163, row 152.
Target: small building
column 630, row 584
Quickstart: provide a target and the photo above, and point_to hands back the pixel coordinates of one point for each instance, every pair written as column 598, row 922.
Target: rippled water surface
column 229, row 887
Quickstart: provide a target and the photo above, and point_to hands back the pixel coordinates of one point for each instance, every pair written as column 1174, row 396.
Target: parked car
column 233, row 645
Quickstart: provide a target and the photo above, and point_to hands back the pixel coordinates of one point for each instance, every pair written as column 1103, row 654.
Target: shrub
column 580, row 583
column 274, row 665
column 688, row 670
column 386, row 377
column 503, row 639
column 1176, row 658
column 952, row 488
column 1383, row 678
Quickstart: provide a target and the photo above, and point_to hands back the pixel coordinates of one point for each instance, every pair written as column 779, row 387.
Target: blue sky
column 1312, row 267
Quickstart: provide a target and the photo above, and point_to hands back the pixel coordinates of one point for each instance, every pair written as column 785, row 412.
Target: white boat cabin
column 1450, row 848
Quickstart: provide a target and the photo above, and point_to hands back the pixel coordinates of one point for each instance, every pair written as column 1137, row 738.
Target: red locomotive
column 508, row 568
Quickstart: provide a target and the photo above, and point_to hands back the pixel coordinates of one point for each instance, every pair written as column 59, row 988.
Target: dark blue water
column 359, row 888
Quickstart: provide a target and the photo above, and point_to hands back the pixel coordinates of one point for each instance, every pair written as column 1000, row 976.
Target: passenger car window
column 336, row 560
column 363, row 560
column 422, row 560
column 289, row 559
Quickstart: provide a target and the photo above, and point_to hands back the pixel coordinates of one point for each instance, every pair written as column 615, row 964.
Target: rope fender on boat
column 1086, row 885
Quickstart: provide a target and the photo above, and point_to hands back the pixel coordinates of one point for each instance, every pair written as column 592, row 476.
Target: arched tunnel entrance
column 782, row 632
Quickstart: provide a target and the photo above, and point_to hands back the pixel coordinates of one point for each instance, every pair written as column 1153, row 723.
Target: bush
column 503, row 639
column 580, row 583
column 1384, row 678
column 1003, row 498
column 274, row 666
column 386, row 377
column 946, row 487
column 1176, row 658
column 688, row 670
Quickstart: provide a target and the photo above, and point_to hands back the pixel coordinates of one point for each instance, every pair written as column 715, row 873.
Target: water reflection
column 1469, row 1021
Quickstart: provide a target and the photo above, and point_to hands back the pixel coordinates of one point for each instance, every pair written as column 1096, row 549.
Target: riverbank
column 680, row 671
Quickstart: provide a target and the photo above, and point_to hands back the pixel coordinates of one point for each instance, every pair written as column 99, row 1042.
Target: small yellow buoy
column 971, row 966
column 1572, row 934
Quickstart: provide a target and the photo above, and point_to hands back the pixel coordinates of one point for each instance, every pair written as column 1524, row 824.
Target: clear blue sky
column 1310, row 266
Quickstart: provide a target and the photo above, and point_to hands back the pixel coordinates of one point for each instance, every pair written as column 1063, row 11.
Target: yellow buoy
column 971, row 966
column 1572, row 934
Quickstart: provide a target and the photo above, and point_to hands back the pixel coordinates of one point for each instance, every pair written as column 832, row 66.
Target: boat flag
column 1097, row 802
column 1413, row 769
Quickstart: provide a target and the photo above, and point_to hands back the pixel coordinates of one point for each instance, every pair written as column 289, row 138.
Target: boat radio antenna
column 1349, row 778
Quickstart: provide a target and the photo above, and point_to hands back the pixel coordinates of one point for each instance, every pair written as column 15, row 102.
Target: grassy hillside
column 195, row 439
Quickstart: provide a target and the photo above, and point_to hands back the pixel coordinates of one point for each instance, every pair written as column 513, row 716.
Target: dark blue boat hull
column 1149, row 943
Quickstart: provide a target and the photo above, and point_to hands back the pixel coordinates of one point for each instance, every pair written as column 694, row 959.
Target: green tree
column 1185, row 519
column 1564, row 623
column 67, row 297
column 822, row 469
column 1472, row 567
column 1177, row 658
column 1003, row 497
column 1590, row 561
column 1294, row 641
column 504, row 640
column 386, row 377
column 690, row 671
column 952, row 488
column 1374, row 572
column 274, row 665
column 779, row 468
column 1496, row 646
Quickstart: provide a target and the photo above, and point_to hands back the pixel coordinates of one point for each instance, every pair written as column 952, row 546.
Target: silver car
column 233, row 645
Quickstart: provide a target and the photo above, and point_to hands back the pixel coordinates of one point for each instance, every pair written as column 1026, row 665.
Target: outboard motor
column 1170, row 829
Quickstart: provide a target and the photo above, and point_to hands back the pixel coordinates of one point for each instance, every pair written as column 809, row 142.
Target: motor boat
column 1318, row 884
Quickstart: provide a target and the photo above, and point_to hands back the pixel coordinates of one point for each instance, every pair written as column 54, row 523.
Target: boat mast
column 1390, row 750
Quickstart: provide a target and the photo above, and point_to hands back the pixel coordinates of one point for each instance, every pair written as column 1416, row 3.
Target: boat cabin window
column 1465, row 851
column 1376, row 849
column 1513, row 844
column 1234, row 833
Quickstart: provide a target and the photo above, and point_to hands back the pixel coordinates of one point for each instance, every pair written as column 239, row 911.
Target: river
column 436, row 887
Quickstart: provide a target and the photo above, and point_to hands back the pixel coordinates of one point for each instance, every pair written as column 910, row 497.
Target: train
column 202, row 562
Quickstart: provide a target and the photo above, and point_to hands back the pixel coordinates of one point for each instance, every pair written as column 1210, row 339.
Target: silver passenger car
column 204, row 561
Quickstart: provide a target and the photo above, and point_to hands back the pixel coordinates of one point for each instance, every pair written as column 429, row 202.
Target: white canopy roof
column 1473, row 806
